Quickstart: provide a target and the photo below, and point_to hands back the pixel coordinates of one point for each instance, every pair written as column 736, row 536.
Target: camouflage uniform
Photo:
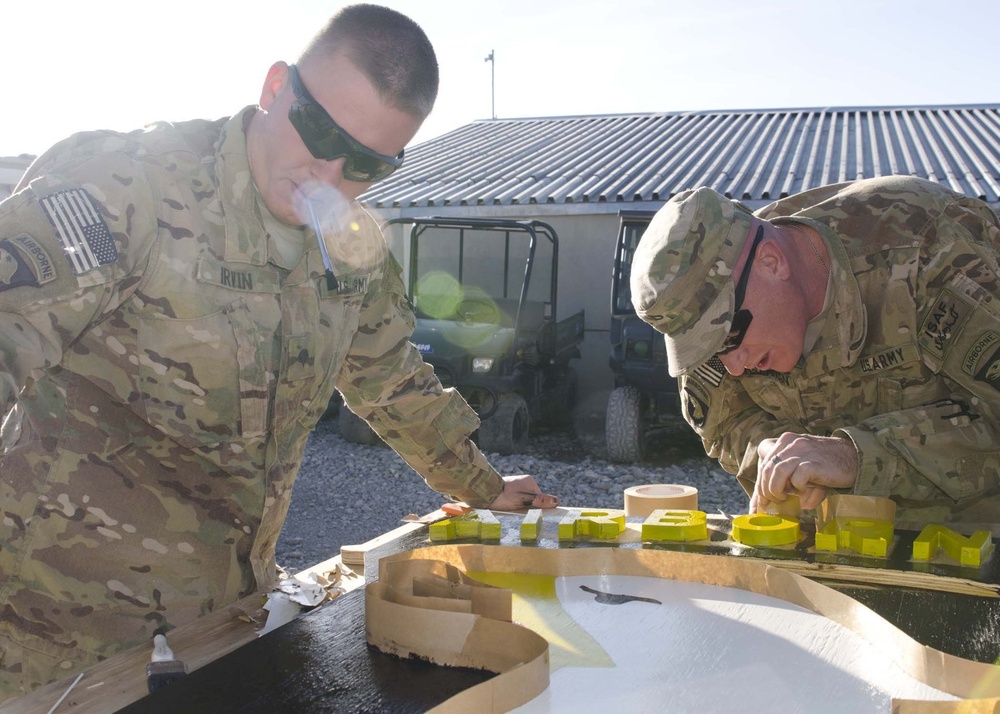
column 166, row 368
column 907, row 363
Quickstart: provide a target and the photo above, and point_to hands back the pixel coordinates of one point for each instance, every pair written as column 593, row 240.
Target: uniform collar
column 246, row 239
column 843, row 336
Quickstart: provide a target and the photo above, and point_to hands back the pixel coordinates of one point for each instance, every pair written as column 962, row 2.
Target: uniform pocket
column 202, row 379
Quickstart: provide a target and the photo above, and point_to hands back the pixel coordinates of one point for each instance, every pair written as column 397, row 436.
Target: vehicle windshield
column 631, row 233
column 458, row 266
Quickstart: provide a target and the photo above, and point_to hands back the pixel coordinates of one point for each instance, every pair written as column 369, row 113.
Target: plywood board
column 752, row 622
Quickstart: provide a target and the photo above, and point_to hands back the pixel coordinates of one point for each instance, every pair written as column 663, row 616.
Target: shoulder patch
column 695, row 406
column 942, row 322
column 77, row 222
column 989, row 372
column 980, row 347
column 711, row 372
column 23, row 261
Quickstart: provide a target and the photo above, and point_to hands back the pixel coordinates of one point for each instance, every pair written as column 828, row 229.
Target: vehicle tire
column 623, row 425
column 506, row 432
column 354, row 429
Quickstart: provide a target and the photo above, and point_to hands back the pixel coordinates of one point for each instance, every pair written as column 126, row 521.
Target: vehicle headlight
column 639, row 348
column 481, row 365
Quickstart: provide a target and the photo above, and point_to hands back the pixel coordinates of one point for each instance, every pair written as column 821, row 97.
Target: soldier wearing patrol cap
column 847, row 338
column 177, row 306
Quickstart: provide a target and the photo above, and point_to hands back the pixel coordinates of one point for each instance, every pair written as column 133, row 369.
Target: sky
column 119, row 64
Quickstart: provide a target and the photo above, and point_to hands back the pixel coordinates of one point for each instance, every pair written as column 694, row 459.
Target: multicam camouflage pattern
column 906, row 362
column 166, row 397
column 682, row 270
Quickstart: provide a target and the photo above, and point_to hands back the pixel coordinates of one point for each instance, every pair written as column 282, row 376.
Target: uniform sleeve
column 386, row 382
column 729, row 423
column 66, row 258
column 947, row 449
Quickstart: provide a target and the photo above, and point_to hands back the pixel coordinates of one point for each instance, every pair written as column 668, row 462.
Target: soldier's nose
column 734, row 362
column 329, row 173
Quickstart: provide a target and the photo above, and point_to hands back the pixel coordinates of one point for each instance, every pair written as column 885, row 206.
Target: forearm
column 927, row 453
column 435, row 442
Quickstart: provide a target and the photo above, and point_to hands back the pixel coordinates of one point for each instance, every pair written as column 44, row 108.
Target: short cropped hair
column 390, row 48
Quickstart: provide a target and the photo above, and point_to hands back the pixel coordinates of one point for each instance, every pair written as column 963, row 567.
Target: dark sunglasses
column 742, row 318
column 326, row 140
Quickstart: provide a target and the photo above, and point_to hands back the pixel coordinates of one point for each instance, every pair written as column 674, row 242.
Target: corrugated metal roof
column 753, row 155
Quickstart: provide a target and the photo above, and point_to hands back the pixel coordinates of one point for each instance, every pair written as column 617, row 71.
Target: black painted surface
column 318, row 663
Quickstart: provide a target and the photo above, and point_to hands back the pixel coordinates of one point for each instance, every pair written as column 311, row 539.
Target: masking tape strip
column 643, row 500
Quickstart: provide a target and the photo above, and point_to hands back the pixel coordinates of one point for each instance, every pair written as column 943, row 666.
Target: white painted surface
column 714, row 649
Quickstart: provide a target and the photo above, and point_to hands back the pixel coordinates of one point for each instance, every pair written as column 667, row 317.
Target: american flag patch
column 87, row 242
column 712, row 371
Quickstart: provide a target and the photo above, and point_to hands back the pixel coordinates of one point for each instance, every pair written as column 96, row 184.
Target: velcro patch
column 987, row 342
column 989, row 370
column 246, row 278
column 355, row 284
column 711, row 372
column 77, row 222
column 887, row 359
column 942, row 322
column 24, row 262
column 695, row 408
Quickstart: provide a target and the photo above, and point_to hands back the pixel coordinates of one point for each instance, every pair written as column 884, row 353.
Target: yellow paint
column 967, row 550
column 760, row 529
column 477, row 523
column 675, row 525
column 605, row 524
column 529, row 526
column 536, row 606
column 867, row 536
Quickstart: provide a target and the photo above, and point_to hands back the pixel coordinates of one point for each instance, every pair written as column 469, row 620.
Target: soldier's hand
column 802, row 464
column 520, row 492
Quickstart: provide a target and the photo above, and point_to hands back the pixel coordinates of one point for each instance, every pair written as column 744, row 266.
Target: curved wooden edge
column 954, row 675
column 399, row 620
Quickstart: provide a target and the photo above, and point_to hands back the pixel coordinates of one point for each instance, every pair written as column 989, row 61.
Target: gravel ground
column 348, row 493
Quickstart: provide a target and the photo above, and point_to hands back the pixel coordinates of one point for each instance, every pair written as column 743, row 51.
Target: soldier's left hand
column 802, row 464
column 520, row 492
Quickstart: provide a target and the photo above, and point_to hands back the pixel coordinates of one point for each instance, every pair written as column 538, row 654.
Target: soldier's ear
column 772, row 259
column 277, row 78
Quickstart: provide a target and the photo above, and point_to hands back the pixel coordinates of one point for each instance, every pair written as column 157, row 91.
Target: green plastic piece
column 970, row 551
column 529, row 526
column 867, row 536
column 761, row 529
column 593, row 524
column 675, row 525
column 479, row 523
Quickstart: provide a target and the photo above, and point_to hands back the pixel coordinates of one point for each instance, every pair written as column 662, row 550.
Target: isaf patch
column 942, row 322
column 77, row 222
column 23, row 261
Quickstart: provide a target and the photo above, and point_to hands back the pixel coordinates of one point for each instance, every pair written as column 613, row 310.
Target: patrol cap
column 682, row 274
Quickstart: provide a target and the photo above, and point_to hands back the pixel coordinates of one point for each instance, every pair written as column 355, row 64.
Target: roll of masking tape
column 643, row 500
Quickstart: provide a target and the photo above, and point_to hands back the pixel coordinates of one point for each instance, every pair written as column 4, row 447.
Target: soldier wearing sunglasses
column 846, row 338
column 177, row 307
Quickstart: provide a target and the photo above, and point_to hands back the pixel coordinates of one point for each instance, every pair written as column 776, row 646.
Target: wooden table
column 121, row 681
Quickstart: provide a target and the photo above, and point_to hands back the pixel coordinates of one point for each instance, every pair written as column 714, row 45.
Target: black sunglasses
column 326, row 140
column 742, row 318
